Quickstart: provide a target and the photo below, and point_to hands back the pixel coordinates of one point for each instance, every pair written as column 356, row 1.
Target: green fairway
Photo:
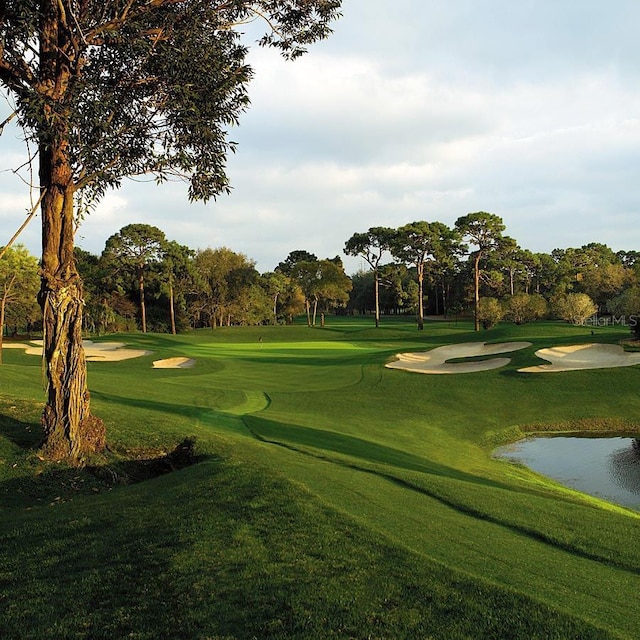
column 335, row 497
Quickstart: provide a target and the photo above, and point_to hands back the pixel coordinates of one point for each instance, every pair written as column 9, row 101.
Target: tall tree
column 420, row 242
column 288, row 265
column 178, row 273
column 278, row 286
column 135, row 249
column 224, row 278
column 111, row 88
column 483, row 231
column 322, row 282
column 371, row 245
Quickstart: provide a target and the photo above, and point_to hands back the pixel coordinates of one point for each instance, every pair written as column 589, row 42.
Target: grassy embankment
column 336, row 498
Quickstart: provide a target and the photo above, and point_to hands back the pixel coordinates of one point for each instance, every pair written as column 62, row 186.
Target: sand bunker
column 94, row 351
column 435, row 361
column 583, row 356
column 174, row 363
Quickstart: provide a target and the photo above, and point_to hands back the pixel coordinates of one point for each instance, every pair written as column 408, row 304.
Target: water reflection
column 624, row 466
column 608, row 468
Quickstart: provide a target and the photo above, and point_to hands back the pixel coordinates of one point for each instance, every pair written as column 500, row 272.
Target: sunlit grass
column 339, row 498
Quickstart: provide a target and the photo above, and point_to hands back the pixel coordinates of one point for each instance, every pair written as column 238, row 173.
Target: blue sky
column 415, row 110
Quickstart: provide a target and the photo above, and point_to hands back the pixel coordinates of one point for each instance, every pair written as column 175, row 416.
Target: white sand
column 435, row 361
column 174, row 363
column 583, row 356
column 94, row 351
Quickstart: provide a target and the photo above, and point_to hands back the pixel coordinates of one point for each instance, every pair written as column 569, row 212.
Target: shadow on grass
column 26, row 435
column 283, row 434
column 314, row 443
column 33, row 481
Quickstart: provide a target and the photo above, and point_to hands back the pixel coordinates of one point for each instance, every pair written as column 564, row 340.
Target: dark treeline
column 143, row 281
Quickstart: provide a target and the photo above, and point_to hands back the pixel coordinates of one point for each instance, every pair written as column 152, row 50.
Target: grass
column 336, row 498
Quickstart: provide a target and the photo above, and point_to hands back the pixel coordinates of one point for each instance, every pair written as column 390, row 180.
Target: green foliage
column 133, row 101
column 19, row 284
column 490, row 312
column 575, row 308
column 523, row 307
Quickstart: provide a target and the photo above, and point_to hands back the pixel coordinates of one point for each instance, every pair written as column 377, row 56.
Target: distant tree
column 334, row 285
column 282, row 291
column 509, row 258
column 134, row 250
column 419, row 243
column 362, row 296
column 288, row 265
column 178, row 275
column 19, row 283
column 322, row 282
column 627, row 305
column 483, row 231
column 224, row 279
column 371, row 246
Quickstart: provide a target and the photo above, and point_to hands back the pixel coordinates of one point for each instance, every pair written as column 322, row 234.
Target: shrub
column 575, row 308
column 490, row 312
column 523, row 307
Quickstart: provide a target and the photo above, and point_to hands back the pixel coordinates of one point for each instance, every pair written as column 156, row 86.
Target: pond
column 608, row 468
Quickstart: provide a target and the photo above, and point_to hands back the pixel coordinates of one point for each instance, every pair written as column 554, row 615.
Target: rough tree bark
column 70, row 430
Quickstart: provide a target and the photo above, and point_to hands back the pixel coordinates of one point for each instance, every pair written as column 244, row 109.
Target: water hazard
column 608, row 468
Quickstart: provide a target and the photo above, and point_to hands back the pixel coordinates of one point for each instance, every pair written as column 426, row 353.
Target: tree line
column 143, row 281
column 475, row 266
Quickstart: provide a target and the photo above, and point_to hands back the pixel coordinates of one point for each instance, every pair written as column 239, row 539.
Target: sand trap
column 94, row 351
column 174, row 363
column 583, row 356
column 435, row 361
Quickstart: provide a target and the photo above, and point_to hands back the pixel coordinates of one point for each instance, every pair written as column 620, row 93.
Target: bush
column 523, row 307
column 575, row 308
column 490, row 312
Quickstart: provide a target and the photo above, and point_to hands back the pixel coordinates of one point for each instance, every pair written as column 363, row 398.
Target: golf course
column 321, row 493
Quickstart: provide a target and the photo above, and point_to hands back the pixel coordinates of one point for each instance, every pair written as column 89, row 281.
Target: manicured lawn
column 336, row 498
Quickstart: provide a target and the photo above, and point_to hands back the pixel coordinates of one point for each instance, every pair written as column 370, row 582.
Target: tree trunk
column 143, row 309
column 172, row 312
column 420, row 270
column 3, row 303
column 376, row 280
column 476, row 282
column 70, row 430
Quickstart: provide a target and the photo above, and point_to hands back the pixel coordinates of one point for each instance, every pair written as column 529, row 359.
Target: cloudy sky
column 416, row 110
